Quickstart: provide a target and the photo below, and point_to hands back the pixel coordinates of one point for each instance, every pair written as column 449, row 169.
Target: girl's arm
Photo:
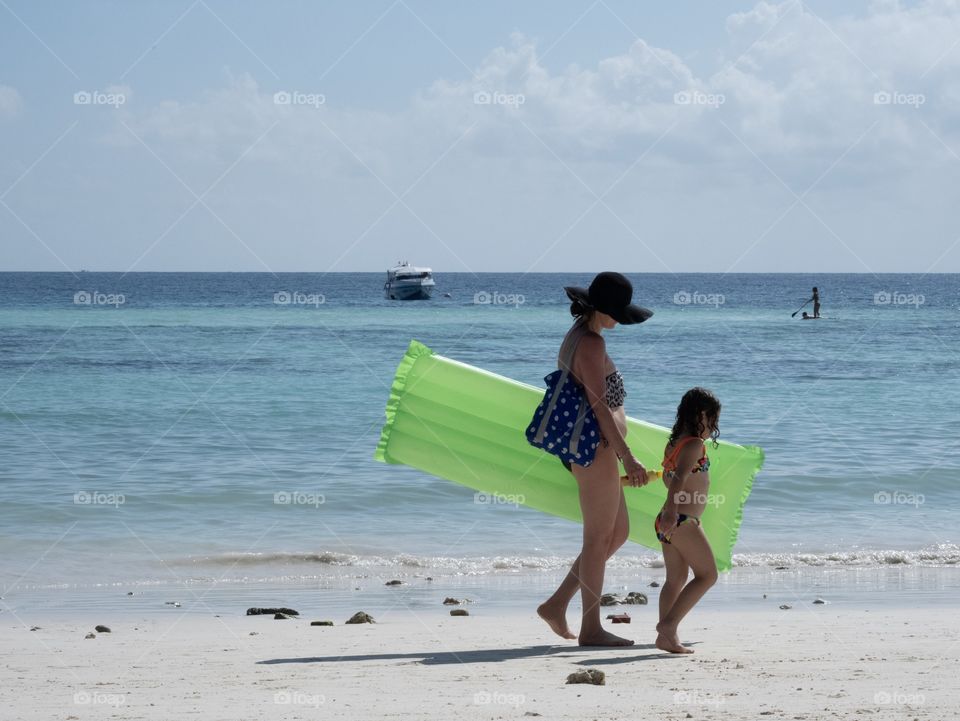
column 686, row 461
column 589, row 363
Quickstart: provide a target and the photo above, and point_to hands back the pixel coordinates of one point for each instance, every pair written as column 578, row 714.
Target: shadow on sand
column 495, row 655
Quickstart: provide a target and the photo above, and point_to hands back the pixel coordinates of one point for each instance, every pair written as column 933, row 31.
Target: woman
column 605, row 523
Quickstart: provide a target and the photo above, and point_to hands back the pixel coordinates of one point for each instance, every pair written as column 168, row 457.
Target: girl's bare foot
column 667, row 640
column 605, row 638
column 556, row 619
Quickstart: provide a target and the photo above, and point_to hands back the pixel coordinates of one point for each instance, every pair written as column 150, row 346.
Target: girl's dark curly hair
column 694, row 402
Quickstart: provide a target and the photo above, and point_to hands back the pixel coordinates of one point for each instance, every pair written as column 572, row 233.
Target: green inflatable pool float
column 466, row 425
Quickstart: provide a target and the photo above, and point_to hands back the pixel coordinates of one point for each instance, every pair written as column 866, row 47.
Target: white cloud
column 10, row 102
column 519, row 149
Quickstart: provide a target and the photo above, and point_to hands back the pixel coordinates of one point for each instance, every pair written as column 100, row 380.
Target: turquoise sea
column 153, row 426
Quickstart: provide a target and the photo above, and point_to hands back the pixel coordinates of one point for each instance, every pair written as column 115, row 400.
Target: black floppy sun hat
column 610, row 293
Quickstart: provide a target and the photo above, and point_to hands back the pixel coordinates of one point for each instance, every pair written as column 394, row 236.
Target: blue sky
column 534, row 136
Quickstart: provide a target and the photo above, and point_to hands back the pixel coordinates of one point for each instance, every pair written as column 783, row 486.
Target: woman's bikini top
column 670, row 460
column 616, row 393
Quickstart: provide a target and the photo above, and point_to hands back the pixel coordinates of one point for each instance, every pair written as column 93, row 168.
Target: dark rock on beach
column 271, row 611
column 102, row 629
column 281, row 616
column 634, row 597
column 91, row 635
column 654, row 584
column 394, row 582
column 459, row 612
column 450, row 601
column 590, row 675
column 360, row 617
column 321, row 623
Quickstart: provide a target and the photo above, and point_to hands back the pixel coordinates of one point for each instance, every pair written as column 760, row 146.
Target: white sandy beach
column 809, row 662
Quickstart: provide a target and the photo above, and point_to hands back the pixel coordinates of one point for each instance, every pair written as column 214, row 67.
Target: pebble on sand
column 785, row 606
column 590, row 675
column 654, row 584
column 450, row 601
column 394, row 582
column 819, row 601
column 91, row 635
column 102, row 629
column 459, row 612
column 281, row 616
column 321, row 623
column 360, row 617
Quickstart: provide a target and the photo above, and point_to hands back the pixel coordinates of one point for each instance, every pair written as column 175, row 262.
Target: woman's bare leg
column 600, row 499
column 554, row 609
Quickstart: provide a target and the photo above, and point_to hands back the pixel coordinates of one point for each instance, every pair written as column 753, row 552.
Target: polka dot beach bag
column 564, row 424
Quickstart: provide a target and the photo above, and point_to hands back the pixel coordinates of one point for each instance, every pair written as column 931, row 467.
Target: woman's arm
column 588, row 367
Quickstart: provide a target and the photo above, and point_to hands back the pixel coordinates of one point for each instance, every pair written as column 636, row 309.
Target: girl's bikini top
column 670, row 460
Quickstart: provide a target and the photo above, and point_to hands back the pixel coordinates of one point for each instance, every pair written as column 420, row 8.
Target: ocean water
column 145, row 435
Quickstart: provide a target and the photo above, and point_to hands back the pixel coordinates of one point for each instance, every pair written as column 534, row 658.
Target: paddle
column 792, row 315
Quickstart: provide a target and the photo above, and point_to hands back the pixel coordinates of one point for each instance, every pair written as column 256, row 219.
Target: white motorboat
column 408, row 282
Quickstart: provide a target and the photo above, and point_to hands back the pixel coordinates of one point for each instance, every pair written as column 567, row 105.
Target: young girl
column 685, row 547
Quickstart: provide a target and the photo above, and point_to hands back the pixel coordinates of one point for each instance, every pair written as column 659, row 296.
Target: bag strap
column 566, row 361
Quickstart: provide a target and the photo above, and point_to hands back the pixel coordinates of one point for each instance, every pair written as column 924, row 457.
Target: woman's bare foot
column 605, row 638
column 556, row 619
column 668, row 640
